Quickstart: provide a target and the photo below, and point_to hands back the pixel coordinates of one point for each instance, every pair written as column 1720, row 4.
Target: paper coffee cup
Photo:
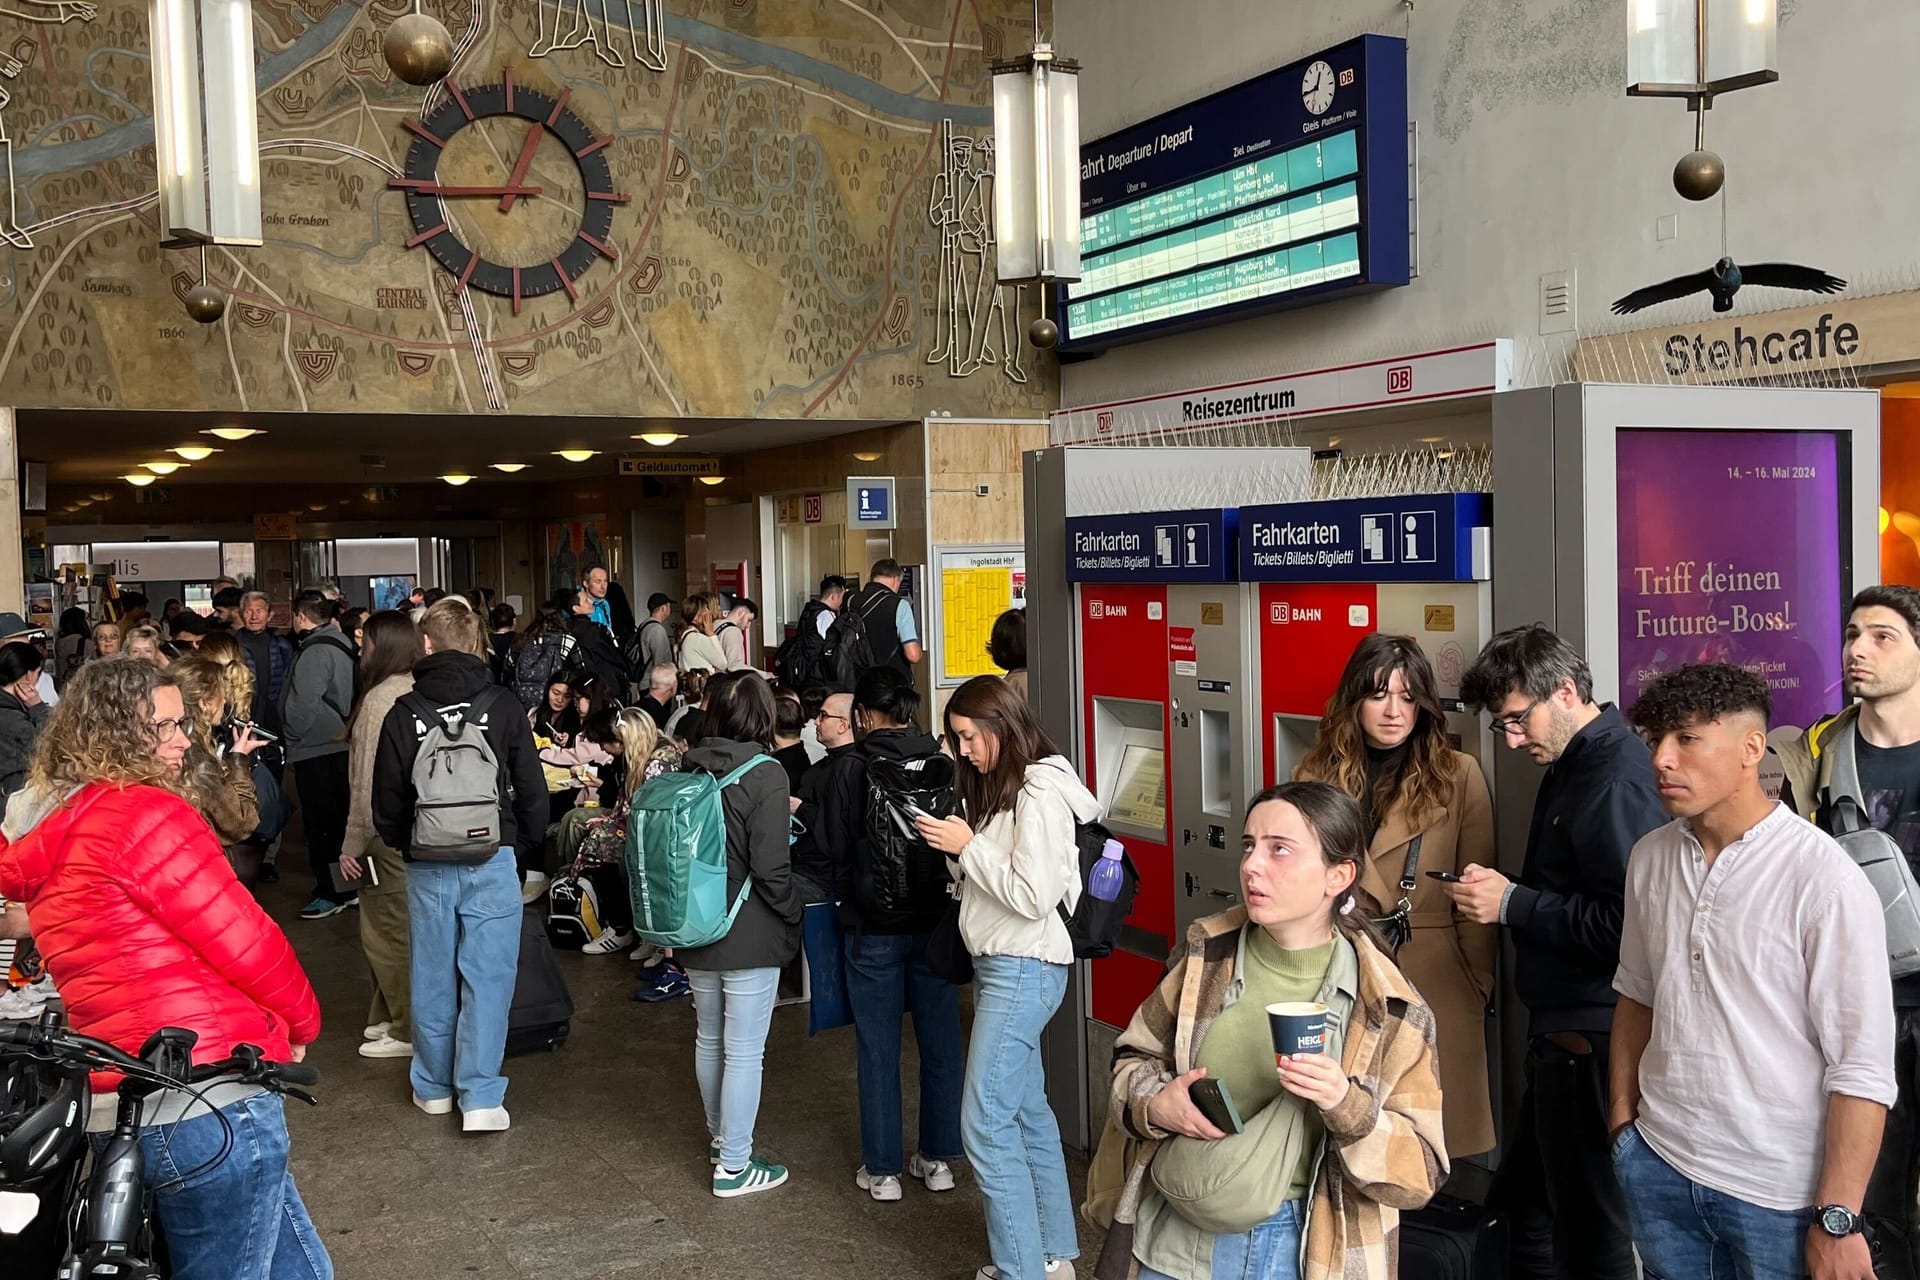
column 1297, row 1028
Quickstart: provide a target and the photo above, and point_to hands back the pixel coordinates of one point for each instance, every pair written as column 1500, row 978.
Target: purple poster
column 1730, row 552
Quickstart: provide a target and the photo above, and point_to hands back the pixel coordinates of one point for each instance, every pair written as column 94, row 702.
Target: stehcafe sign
column 1849, row 333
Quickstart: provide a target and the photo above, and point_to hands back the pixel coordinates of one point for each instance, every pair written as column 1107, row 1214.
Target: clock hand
column 426, row 188
column 520, row 165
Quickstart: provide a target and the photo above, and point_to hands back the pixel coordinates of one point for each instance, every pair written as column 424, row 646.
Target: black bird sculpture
column 1724, row 279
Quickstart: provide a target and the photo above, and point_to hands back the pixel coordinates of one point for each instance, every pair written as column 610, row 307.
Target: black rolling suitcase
column 542, row 1008
column 1453, row 1239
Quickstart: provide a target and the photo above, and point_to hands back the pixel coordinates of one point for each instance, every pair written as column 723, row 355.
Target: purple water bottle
column 1108, row 875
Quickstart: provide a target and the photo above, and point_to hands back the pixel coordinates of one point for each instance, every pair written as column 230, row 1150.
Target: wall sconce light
column 206, row 134
column 575, row 455
column 866, row 457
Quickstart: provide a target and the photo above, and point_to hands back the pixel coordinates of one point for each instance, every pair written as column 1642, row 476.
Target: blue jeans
column 732, row 1010
column 1271, row 1251
column 241, row 1219
column 1685, row 1231
column 463, row 924
column 1009, row 1130
column 887, row 975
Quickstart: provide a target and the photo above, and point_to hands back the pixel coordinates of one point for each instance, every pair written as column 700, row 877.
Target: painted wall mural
column 715, row 208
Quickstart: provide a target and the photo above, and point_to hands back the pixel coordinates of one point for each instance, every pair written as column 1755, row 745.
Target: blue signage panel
column 1416, row 539
column 1275, row 192
column 873, row 502
column 1163, row 546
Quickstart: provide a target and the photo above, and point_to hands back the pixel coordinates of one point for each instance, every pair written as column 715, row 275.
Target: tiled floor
column 604, row 1174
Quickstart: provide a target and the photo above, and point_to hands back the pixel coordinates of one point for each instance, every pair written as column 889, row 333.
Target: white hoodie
column 1022, row 864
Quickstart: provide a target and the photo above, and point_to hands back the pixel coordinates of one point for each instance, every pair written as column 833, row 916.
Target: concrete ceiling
column 334, row 448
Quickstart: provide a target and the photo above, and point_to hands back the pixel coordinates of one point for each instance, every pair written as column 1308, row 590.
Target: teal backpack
column 677, row 858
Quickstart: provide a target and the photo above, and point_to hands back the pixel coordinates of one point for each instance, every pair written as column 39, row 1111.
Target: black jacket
column 594, row 652
column 1595, row 803
column 444, row 679
column 766, row 933
column 19, row 726
column 832, row 794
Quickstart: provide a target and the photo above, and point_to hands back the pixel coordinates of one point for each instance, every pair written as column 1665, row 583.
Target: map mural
column 702, row 208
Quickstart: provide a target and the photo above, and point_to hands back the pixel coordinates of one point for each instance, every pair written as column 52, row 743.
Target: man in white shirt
column 735, row 631
column 1753, row 1039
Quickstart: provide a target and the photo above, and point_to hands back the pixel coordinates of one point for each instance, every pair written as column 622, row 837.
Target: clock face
column 509, row 190
column 1316, row 89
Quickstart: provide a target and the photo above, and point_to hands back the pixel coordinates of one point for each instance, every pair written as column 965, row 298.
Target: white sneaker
column 484, row 1120
column 433, row 1106
column 607, row 943
column 936, row 1174
column 531, row 891
column 385, row 1047
column 885, row 1188
column 376, row 1030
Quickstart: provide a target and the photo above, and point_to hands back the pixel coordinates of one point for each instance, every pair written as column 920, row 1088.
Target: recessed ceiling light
column 316, row 506
column 659, row 439
column 713, row 480
column 866, row 457
column 575, row 455
column 99, row 497
column 194, row 452
column 163, row 468
column 139, row 479
column 233, row 433
column 457, row 478
column 508, row 467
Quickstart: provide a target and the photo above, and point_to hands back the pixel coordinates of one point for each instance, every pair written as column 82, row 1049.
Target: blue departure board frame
column 1247, row 200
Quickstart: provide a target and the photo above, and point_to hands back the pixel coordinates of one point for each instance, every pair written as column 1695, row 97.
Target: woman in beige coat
column 1383, row 740
column 391, row 646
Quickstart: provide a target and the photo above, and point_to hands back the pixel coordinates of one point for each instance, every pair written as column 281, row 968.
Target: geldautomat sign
column 1435, row 538
column 1165, row 546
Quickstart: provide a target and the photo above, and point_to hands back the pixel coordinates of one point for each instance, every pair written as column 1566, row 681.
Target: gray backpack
column 1878, row 855
column 456, row 785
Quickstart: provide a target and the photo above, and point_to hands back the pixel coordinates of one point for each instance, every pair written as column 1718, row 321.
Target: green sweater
column 1238, row 1049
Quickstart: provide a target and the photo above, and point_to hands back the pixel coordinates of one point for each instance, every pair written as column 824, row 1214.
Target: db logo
column 1280, row 614
column 1399, row 379
column 1347, row 77
column 1101, row 609
column 1103, row 423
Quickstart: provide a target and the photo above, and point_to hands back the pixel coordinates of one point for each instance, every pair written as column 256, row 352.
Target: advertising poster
column 1730, row 552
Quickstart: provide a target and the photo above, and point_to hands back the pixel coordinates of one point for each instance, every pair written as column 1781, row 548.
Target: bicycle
column 45, row 1103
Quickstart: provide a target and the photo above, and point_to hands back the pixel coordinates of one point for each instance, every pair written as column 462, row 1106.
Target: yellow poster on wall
column 977, row 585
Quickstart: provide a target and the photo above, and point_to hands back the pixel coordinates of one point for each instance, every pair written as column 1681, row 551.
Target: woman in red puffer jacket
column 143, row 925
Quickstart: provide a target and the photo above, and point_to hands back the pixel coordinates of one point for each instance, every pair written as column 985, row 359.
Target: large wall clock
column 509, row 190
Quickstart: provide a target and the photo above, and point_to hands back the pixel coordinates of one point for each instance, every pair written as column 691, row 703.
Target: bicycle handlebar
column 52, row 1040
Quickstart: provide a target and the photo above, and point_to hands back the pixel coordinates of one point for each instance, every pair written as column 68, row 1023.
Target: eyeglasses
column 1507, row 726
column 165, row 729
column 824, row 716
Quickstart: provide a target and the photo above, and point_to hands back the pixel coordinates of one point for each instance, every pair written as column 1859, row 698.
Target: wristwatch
column 1836, row 1220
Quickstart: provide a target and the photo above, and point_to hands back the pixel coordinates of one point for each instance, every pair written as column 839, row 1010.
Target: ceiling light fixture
column 575, row 455
column 139, row 479
column 1429, row 439
column 712, row 480
column 508, row 467
column 163, row 468
column 659, row 439
column 99, row 497
column 457, row 478
column 234, row 433
column 316, row 506
column 194, row 452
column 866, row 457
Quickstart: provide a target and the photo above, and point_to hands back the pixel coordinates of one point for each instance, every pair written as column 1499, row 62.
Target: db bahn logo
column 1101, row 609
column 1281, row 615
column 1103, row 423
column 1399, row 379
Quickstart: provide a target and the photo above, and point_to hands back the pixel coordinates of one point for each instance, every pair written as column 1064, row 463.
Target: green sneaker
column 713, row 1152
column 759, row 1175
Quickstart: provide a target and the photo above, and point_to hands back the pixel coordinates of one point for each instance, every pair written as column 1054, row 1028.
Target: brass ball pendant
column 1044, row 334
column 418, row 48
column 1699, row 175
column 205, row 303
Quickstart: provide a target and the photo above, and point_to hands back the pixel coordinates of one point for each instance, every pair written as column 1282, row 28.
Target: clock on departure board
column 509, row 190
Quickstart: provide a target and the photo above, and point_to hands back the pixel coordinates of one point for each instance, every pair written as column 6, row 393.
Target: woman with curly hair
column 1383, row 741
column 144, row 926
column 218, row 773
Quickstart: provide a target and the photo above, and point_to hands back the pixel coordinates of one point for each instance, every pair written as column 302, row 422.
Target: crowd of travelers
column 1721, row 988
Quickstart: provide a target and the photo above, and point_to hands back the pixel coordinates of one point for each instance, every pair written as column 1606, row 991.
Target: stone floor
column 604, row 1174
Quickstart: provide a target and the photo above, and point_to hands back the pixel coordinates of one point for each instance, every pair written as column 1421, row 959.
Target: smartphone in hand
column 1215, row 1101
column 1447, row 876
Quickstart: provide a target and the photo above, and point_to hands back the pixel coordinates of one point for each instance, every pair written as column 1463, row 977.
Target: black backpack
column 797, row 664
column 1094, row 925
column 900, row 883
column 849, row 652
column 538, row 663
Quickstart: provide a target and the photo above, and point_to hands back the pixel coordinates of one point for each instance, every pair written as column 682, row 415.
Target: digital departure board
column 1278, row 191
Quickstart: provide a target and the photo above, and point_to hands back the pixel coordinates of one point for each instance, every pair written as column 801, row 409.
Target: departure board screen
column 1278, row 191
